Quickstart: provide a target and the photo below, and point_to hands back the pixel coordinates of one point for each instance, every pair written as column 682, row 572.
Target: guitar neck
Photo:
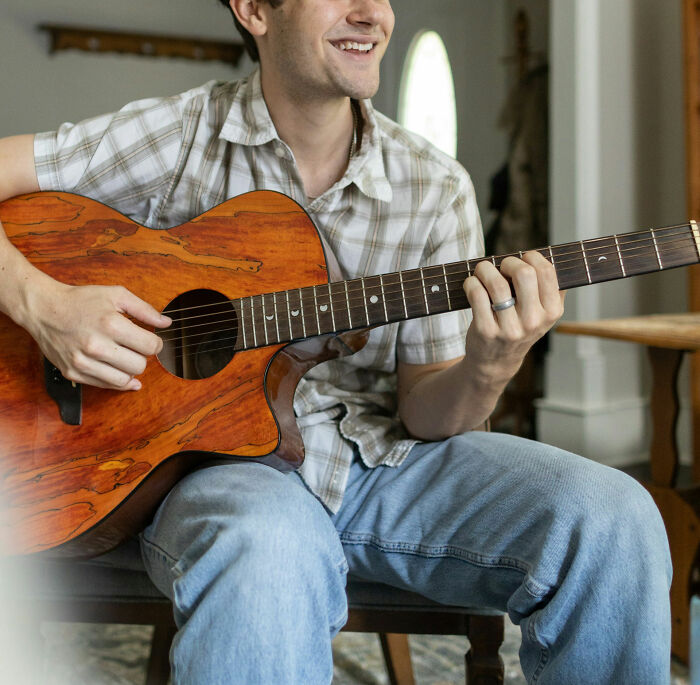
column 279, row 317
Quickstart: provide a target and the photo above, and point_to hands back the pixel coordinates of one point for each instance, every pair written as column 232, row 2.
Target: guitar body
column 78, row 490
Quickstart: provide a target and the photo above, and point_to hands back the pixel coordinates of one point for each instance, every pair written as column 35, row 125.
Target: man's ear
column 251, row 15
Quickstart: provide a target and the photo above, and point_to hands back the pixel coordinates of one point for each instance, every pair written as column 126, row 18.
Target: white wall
column 617, row 165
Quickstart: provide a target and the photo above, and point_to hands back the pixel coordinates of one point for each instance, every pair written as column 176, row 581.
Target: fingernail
column 135, row 384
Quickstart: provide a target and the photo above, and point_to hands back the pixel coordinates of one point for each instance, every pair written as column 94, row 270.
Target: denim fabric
column 575, row 552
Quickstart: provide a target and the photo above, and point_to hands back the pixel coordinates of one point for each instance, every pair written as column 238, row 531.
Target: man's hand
column 497, row 341
column 84, row 331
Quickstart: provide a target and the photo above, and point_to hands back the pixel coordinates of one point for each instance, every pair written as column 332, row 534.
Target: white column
column 593, row 402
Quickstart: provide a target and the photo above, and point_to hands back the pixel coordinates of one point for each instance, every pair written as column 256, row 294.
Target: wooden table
column 667, row 338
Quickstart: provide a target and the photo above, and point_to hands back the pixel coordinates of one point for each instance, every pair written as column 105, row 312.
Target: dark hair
column 248, row 40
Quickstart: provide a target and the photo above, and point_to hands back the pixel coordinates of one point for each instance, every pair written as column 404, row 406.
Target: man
column 255, row 561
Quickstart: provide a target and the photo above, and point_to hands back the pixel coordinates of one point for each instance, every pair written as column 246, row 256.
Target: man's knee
column 247, row 515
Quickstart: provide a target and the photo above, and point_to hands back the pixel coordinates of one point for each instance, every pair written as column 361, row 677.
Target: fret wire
column 330, row 300
column 656, row 249
column 262, row 297
column 364, row 297
column 447, row 288
column 277, row 323
column 381, row 286
column 403, row 294
column 347, row 299
column 318, row 321
column 289, row 315
column 245, row 343
column 252, row 320
column 585, row 261
column 301, row 312
column 551, row 255
column 619, row 254
column 425, row 295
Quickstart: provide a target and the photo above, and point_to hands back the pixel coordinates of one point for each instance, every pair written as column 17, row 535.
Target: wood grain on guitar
column 72, row 489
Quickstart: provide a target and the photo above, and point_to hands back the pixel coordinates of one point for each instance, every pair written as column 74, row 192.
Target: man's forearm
column 451, row 401
column 17, row 278
column 17, row 275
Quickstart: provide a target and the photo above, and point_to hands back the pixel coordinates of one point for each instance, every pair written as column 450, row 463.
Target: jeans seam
column 437, row 552
column 155, row 549
column 544, row 651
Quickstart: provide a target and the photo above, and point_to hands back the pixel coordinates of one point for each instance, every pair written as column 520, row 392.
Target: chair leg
column 483, row 662
column 397, row 657
column 158, row 669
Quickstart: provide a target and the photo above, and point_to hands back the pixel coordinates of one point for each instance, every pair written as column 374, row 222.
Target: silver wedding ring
column 506, row 304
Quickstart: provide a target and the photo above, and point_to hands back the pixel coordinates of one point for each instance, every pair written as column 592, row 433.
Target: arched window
column 427, row 96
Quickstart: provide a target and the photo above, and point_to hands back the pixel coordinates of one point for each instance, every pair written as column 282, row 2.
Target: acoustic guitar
column 256, row 302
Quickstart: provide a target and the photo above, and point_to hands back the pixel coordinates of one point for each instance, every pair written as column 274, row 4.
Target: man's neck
column 319, row 132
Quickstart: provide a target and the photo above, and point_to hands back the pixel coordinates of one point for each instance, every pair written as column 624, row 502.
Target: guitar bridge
column 66, row 394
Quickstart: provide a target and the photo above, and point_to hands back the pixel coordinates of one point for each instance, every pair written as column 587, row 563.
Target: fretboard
column 284, row 316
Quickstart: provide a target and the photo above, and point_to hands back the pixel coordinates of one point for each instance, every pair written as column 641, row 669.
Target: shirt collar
column 248, row 122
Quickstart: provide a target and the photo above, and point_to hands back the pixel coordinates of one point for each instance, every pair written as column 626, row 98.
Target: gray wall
column 41, row 91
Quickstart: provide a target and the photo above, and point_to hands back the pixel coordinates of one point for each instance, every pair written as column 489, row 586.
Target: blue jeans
column 575, row 552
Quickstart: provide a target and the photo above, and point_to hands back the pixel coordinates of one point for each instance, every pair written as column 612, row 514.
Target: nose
column 372, row 13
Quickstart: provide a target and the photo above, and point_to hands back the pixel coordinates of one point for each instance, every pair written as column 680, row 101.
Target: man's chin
column 361, row 91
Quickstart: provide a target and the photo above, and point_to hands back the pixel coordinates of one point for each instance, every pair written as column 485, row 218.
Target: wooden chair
column 116, row 589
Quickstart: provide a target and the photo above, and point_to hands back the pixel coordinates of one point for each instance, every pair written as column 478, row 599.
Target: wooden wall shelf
column 150, row 45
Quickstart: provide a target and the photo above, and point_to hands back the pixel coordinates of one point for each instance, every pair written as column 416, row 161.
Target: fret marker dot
column 374, row 299
column 435, row 289
column 269, row 318
column 323, row 307
column 295, row 312
column 602, row 259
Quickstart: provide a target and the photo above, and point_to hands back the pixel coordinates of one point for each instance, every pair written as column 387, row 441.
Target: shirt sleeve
column 125, row 159
column 456, row 235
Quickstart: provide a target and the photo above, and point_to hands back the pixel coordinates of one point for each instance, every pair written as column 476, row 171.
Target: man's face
column 328, row 48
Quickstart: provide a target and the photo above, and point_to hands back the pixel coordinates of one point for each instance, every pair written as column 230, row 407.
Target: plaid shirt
column 400, row 204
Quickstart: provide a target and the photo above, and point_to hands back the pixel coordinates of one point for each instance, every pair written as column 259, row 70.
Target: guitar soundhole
column 200, row 342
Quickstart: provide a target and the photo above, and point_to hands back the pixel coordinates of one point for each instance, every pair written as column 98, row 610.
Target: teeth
column 352, row 45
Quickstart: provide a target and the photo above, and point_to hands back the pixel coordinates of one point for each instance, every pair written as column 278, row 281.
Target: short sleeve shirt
column 401, row 204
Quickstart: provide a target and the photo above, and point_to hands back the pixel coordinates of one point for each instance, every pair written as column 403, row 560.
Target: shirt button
column 279, row 151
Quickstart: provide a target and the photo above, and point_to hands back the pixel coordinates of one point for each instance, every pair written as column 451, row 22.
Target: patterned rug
column 86, row 654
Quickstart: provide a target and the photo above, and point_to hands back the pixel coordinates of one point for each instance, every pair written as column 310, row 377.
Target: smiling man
column 395, row 486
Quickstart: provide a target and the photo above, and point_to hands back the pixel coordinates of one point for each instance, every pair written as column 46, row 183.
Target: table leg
column 679, row 510
column 665, row 365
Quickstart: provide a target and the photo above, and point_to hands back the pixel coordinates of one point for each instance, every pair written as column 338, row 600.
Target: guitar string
column 191, row 344
column 593, row 252
column 389, row 291
column 311, row 316
column 577, row 252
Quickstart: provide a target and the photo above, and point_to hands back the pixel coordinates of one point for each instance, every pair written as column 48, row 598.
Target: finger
column 101, row 375
column 123, row 359
column 140, row 310
column 492, row 279
column 480, row 302
column 526, row 286
column 551, row 297
column 130, row 335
